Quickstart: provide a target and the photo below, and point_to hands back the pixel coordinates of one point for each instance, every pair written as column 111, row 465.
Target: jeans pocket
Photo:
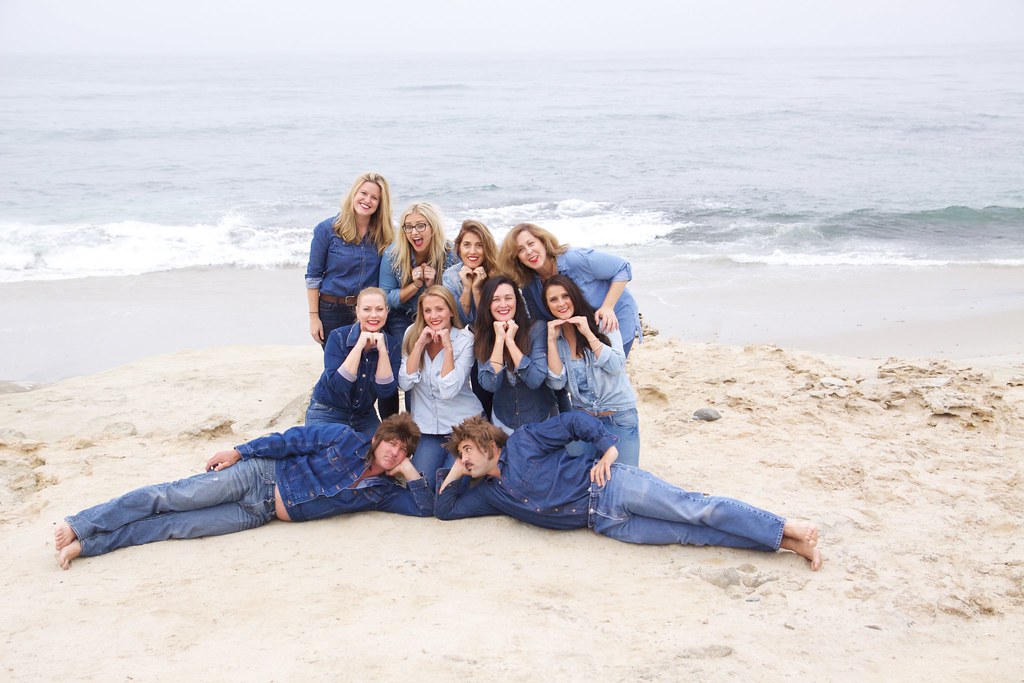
column 625, row 419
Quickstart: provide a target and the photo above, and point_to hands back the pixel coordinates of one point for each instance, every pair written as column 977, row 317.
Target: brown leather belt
column 347, row 300
column 603, row 413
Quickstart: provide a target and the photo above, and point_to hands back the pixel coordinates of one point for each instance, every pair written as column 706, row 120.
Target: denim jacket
column 540, row 483
column 607, row 382
column 316, row 465
column 522, row 396
column 337, row 267
column 354, row 395
column 594, row 272
column 391, row 278
column 450, row 279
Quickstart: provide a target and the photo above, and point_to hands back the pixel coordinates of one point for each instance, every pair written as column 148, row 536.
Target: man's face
column 390, row 454
column 477, row 461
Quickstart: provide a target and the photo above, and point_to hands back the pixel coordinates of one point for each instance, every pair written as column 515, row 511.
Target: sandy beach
column 907, row 454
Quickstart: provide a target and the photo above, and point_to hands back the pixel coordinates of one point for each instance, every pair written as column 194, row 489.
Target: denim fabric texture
column 593, row 271
column 607, row 387
column 237, row 498
column 450, row 279
column 522, row 396
column 541, row 483
column 364, row 423
column 625, row 424
column 390, row 280
column 315, row 466
column 334, row 315
column 351, row 399
column 637, row 507
column 430, row 456
column 337, row 267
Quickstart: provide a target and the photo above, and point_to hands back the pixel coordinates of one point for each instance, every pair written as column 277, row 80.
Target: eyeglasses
column 419, row 227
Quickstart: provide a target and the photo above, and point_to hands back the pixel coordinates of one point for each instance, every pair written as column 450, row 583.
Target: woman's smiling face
column 559, row 302
column 532, row 253
column 503, row 303
column 471, row 250
column 371, row 312
column 436, row 313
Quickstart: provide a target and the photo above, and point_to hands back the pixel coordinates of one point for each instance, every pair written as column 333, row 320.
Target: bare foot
column 801, row 530
column 68, row 553
column 63, row 536
column 804, row 548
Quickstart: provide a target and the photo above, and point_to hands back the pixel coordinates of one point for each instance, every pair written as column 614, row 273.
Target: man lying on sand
column 303, row 474
column 531, row 476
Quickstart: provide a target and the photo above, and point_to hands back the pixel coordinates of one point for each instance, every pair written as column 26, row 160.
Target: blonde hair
column 367, row 291
column 508, row 257
column 436, row 251
column 381, row 231
column 419, row 323
column 481, row 231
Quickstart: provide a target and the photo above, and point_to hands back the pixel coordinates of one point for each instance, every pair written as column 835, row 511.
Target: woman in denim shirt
column 344, row 256
column 531, row 255
column 592, row 364
column 478, row 259
column 360, row 366
column 413, row 262
column 437, row 356
column 512, row 357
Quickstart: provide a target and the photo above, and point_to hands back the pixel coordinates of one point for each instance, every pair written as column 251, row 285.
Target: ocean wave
column 266, row 236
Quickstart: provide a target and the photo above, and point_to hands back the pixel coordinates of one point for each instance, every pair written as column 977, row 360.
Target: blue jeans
column 398, row 323
column 637, row 507
column 624, row 424
column 234, row 499
column 333, row 316
column 431, row 455
column 364, row 423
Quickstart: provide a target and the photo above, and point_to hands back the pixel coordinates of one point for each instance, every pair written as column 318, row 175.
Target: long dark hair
column 580, row 306
column 483, row 325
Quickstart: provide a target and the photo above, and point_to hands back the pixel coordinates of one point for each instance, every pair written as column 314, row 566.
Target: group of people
column 512, row 361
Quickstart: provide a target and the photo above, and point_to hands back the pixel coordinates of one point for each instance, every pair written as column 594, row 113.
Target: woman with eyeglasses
column 345, row 254
column 412, row 263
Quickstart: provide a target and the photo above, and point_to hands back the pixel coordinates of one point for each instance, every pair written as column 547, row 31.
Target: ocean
column 909, row 157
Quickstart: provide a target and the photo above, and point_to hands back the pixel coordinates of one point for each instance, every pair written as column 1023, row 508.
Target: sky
column 514, row 26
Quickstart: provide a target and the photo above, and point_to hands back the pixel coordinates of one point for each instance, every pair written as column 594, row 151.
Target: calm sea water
column 911, row 157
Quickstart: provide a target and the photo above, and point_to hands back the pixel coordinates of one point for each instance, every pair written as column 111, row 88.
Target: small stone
column 706, row 414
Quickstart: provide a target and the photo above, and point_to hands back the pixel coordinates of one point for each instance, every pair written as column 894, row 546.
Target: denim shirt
column 439, row 403
column 541, row 483
column 354, row 395
column 316, row 465
column 608, row 386
column 450, row 279
column 594, row 272
column 391, row 278
column 337, row 267
column 522, row 396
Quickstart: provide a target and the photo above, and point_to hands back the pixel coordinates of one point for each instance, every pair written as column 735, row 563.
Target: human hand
column 427, row 336
column 417, row 276
column 444, row 336
column 467, row 276
column 510, row 329
column 479, row 275
column 580, row 321
column 601, row 472
column 406, row 469
column 606, row 319
column 428, row 275
column 223, row 459
column 316, row 329
column 499, row 330
column 553, row 331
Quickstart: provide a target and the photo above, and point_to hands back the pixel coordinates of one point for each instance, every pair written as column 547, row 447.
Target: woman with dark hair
column 530, row 255
column 478, row 259
column 512, row 357
column 345, row 254
column 592, row 364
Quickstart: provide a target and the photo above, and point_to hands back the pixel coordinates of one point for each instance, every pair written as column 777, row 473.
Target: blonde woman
column 437, row 357
column 345, row 255
column 413, row 262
